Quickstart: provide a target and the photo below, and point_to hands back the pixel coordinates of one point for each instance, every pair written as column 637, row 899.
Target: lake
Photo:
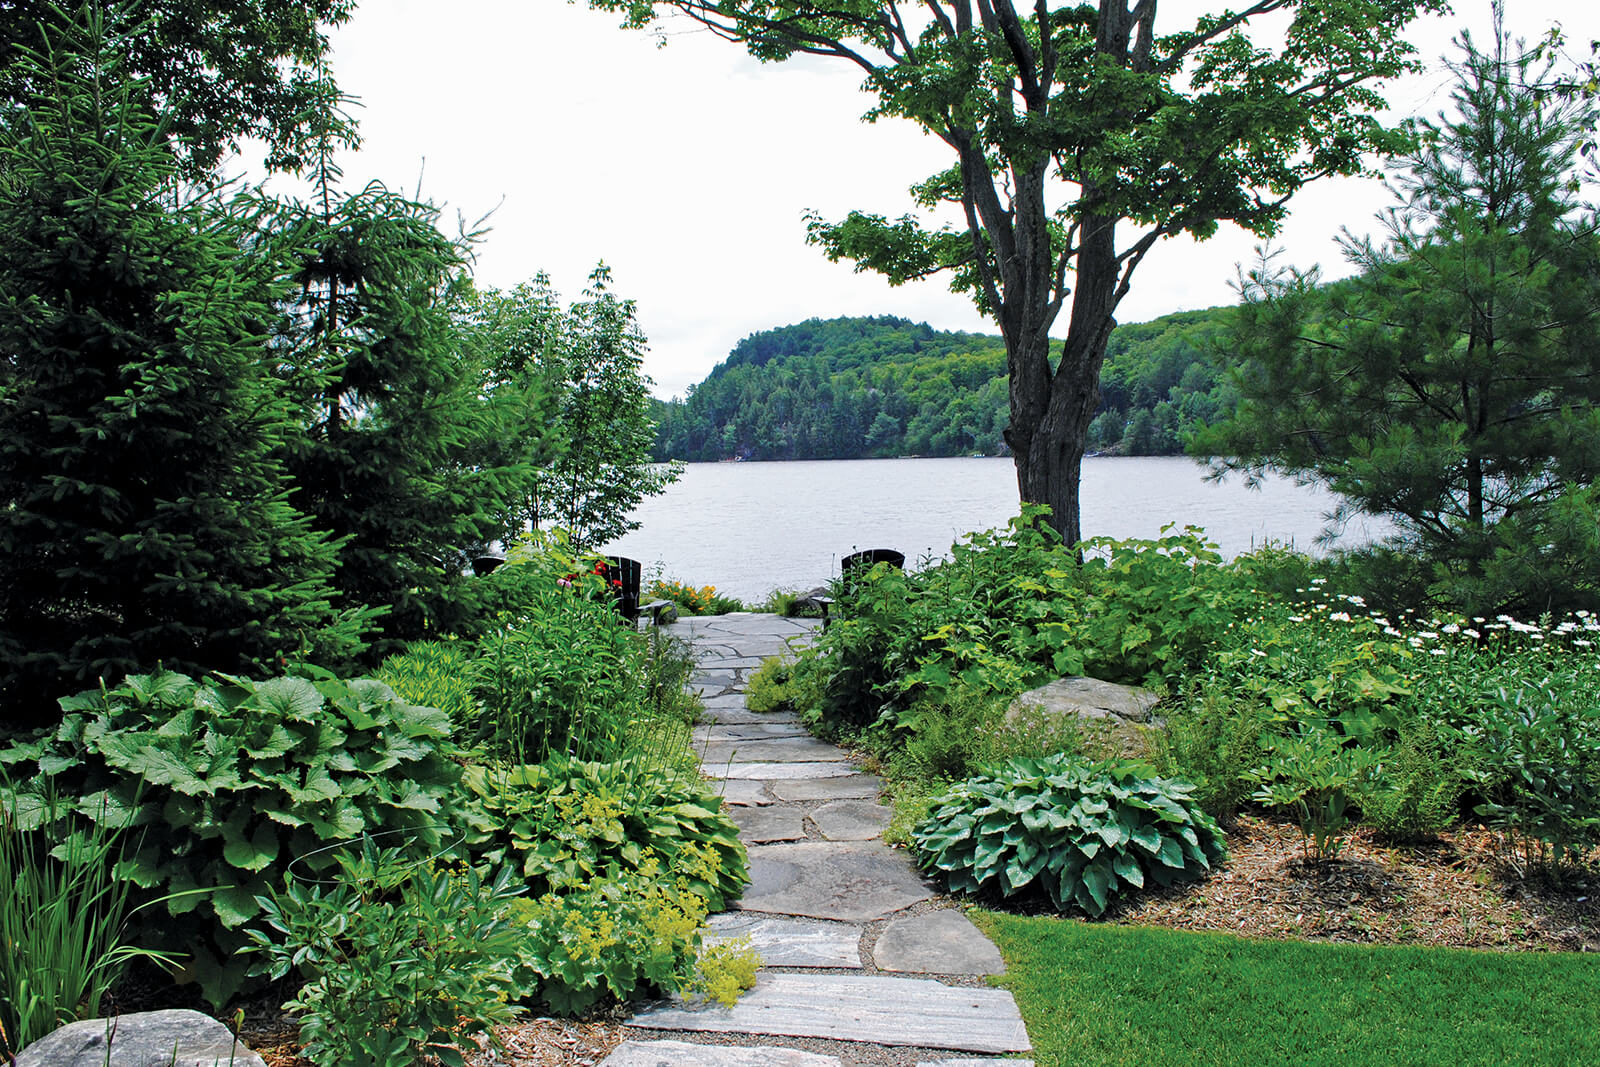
column 748, row 528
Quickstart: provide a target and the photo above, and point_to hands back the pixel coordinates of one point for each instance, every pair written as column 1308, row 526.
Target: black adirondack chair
column 850, row 565
column 624, row 574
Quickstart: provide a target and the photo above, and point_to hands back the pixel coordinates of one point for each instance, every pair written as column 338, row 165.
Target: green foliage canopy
column 1453, row 384
column 1082, row 135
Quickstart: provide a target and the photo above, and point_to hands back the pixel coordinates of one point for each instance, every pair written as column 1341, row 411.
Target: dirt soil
column 1455, row 891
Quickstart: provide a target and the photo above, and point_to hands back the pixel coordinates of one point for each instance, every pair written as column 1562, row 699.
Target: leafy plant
column 241, row 778
column 768, row 687
column 726, row 969
column 1314, row 773
column 1415, row 790
column 1536, row 758
column 613, row 936
column 1080, row 832
column 1213, row 739
column 566, row 822
column 690, row 599
column 434, row 674
column 61, row 917
column 400, row 958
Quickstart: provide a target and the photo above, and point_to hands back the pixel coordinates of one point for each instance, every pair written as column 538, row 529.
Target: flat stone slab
column 715, row 680
column 851, row 787
column 975, row 1061
column 708, row 659
column 774, row 750
column 790, row 942
column 747, row 731
column 940, row 942
column 739, row 793
column 849, row 882
column 1087, row 698
column 769, row 772
column 778, row 822
column 742, row 716
column 138, row 1039
column 724, row 700
column 883, row 1011
column 852, row 820
column 684, row 1054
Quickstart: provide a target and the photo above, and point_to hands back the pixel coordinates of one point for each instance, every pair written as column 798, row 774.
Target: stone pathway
column 863, row 961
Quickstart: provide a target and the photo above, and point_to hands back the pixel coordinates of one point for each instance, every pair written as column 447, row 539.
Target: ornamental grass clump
column 1079, row 832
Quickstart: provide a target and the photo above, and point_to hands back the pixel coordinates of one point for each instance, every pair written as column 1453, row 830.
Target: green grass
column 1118, row 995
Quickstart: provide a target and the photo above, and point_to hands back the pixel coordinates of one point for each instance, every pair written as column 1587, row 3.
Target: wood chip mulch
column 1457, row 891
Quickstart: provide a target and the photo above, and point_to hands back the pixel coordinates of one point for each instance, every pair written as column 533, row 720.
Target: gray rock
column 884, row 1011
column 852, row 787
column 790, row 942
column 742, row 716
column 852, row 820
column 849, row 882
column 144, row 1039
column 940, row 942
column 1087, row 698
column 778, row 822
column 747, row 731
column 976, row 1061
column 684, row 1054
column 742, row 793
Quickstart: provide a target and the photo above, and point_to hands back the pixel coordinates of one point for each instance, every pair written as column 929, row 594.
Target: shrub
column 1081, row 832
column 434, row 674
column 565, row 822
column 1415, row 790
column 691, row 600
column 563, row 678
column 615, row 936
column 238, row 779
column 1214, row 740
column 1536, row 759
column 768, row 687
column 1315, row 774
column 400, row 958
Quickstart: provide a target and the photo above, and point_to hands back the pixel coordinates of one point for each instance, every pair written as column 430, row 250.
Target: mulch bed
column 1457, row 891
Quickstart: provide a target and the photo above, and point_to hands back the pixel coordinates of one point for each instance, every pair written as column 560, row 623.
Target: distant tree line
column 855, row 388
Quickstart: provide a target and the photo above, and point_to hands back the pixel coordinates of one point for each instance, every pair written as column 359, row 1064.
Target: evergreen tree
column 144, row 516
column 1452, row 385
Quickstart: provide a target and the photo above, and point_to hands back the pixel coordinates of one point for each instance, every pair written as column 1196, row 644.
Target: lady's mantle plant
column 1080, row 832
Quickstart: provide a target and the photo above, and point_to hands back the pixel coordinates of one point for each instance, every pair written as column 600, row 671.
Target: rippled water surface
column 748, row 528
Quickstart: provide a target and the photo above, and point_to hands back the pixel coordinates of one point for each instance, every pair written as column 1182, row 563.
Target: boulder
column 1120, row 715
column 143, row 1039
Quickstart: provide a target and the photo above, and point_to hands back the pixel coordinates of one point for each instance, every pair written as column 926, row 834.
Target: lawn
column 1095, row 994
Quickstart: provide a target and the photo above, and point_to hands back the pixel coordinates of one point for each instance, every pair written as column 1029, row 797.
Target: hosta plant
column 1079, row 832
column 235, row 780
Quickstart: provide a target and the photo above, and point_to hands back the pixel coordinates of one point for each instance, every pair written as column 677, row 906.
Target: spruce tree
column 144, row 514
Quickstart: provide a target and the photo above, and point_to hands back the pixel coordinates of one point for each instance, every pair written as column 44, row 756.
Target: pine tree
column 144, row 516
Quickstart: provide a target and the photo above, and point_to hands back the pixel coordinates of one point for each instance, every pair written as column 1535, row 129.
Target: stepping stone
column 716, row 680
column 883, row 1011
column 732, row 660
column 742, row 716
column 684, row 1054
column 774, row 750
column 852, row 787
column 852, row 820
column 725, row 700
column 775, row 771
column 975, row 1061
column 780, row 822
column 743, row 794
column 853, row 882
column 940, row 942
column 790, row 942
column 747, row 731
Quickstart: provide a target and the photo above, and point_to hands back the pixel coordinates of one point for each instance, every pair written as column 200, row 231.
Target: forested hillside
column 850, row 388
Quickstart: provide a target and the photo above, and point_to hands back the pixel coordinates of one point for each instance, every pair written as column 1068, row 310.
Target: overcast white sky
column 687, row 168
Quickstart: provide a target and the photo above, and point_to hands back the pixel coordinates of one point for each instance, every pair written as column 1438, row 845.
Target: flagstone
column 850, row 882
column 940, row 942
column 776, row 822
column 850, row 787
column 852, row 820
column 686, row 1054
column 774, row 750
column 778, row 771
column 790, row 942
column 886, row 1011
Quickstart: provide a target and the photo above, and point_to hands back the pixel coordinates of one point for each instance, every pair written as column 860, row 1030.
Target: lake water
column 748, row 528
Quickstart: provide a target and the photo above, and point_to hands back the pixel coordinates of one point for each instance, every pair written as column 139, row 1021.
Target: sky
column 688, row 168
